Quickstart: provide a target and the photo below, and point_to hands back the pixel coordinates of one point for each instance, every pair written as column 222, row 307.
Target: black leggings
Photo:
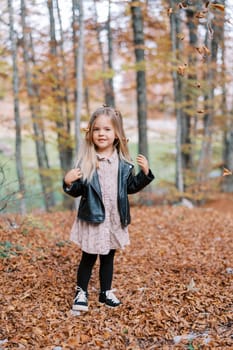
column 105, row 272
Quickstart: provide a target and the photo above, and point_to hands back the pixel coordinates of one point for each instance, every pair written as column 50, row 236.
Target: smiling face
column 103, row 135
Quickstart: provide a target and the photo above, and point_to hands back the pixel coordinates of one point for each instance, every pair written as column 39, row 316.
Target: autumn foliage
column 175, row 282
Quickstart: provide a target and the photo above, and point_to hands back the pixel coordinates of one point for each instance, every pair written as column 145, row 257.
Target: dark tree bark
column 138, row 35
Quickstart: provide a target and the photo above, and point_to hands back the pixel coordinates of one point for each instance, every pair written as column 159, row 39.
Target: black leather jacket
column 91, row 207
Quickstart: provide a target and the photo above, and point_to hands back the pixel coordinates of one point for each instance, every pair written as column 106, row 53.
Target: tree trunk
column 177, row 85
column 78, row 21
column 228, row 129
column 41, row 152
column 138, row 35
column 212, row 43
column 107, row 65
column 68, row 148
column 63, row 129
column 62, row 117
column 18, row 138
column 189, row 97
column 109, row 94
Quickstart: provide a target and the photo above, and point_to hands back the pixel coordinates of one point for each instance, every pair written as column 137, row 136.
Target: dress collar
column 109, row 159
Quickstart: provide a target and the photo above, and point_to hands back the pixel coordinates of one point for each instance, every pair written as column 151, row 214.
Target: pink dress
column 101, row 238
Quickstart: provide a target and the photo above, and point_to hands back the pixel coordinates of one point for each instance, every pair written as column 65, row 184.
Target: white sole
column 79, row 308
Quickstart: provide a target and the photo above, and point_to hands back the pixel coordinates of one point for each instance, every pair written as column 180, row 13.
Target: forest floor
column 175, row 282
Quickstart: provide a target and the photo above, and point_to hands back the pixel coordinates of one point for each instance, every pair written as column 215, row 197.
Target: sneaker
column 80, row 300
column 108, row 297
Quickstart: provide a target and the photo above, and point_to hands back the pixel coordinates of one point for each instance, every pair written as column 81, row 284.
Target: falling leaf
column 226, row 172
column 180, row 36
column 182, row 5
column 203, row 50
column 169, row 11
column 181, row 69
column 200, row 111
column 220, row 7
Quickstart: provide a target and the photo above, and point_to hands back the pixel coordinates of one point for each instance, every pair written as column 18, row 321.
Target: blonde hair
column 86, row 159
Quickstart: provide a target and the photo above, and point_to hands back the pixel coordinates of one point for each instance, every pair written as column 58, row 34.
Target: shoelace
column 110, row 295
column 81, row 295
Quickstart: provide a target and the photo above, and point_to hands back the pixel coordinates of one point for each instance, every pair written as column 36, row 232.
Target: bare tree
column 18, row 136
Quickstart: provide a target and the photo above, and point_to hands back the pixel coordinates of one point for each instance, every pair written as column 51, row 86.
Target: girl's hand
column 143, row 163
column 73, row 175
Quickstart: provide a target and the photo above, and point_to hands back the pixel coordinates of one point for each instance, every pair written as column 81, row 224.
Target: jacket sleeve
column 136, row 183
column 75, row 190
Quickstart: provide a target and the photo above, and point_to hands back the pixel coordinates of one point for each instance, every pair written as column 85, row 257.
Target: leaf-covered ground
column 175, row 282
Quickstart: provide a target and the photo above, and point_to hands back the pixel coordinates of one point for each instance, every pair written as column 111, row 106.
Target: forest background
column 167, row 65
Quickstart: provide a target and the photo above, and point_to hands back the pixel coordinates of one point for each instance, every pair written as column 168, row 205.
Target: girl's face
column 103, row 135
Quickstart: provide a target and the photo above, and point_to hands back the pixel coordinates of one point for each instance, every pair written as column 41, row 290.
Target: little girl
column 103, row 177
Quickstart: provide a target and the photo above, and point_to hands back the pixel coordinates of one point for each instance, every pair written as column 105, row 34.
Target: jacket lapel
column 95, row 184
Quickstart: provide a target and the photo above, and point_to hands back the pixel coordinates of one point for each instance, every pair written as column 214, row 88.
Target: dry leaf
column 220, row 7
column 192, row 286
column 176, row 243
column 180, row 36
column 203, row 50
column 226, row 172
column 182, row 5
column 169, row 11
column 181, row 69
